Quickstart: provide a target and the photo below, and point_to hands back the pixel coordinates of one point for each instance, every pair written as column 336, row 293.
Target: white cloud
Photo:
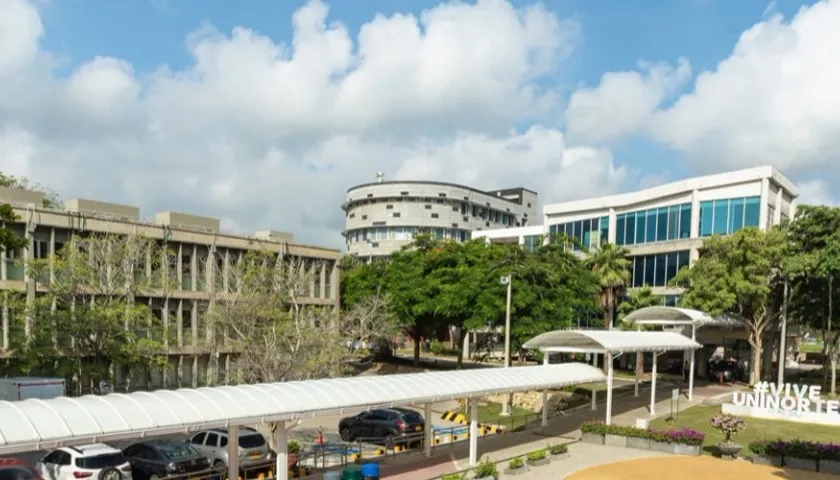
column 270, row 135
column 623, row 102
column 816, row 192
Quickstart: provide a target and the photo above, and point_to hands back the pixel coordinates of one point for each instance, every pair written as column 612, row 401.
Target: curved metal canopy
column 615, row 341
column 681, row 316
column 41, row 424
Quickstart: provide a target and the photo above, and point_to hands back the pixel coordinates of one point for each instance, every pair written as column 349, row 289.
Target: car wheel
column 110, row 474
column 219, row 465
column 346, row 434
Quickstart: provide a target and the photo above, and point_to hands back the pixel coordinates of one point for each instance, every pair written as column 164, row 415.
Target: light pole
column 783, row 340
column 507, row 280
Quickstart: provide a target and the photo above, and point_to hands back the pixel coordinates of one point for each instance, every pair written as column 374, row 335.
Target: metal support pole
column 783, row 341
column 428, row 436
column 691, row 364
column 594, row 392
column 608, row 358
column 506, row 404
column 233, row 452
column 545, row 396
column 473, row 432
column 653, row 386
column 636, row 367
column 281, row 467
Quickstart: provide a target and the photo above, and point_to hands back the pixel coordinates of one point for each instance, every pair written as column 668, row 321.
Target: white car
column 96, row 461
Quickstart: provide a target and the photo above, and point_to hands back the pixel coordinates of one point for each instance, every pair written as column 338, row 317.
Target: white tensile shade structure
column 610, row 344
column 675, row 316
column 46, row 424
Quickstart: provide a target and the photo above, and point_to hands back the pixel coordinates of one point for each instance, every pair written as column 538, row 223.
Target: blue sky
column 120, row 100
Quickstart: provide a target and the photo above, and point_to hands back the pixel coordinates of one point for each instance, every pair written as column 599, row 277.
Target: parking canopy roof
column 43, row 424
column 600, row 341
column 681, row 316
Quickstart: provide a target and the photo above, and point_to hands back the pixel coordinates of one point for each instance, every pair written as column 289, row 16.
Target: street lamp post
column 507, row 280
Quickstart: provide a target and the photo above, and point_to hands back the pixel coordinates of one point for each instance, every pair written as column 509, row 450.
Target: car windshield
column 251, row 441
column 16, row 473
column 412, row 417
column 100, row 461
column 174, row 451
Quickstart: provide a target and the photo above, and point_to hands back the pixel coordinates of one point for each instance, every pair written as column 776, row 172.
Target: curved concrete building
column 383, row 216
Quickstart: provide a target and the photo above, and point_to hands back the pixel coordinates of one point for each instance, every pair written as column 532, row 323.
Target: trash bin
column 370, row 471
column 332, row 475
column 352, row 472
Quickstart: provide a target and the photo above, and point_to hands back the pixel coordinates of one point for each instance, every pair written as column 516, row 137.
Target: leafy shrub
column 685, row 436
column 293, row 447
column 454, row 476
column 537, row 455
column 796, row 448
column 728, row 425
column 516, row 463
column 437, row 348
column 558, row 449
column 487, row 468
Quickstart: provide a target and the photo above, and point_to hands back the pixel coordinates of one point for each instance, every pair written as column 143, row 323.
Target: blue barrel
column 332, row 475
column 370, row 471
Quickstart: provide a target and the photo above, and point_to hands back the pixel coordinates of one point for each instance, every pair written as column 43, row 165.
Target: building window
column 389, row 207
column 364, row 217
column 532, row 243
column 41, row 249
column 434, row 215
column 428, row 207
column 728, row 215
column 657, row 270
column 653, row 225
column 590, row 233
column 396, row 214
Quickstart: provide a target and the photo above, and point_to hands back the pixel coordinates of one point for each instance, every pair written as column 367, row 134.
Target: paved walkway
column 561, row 429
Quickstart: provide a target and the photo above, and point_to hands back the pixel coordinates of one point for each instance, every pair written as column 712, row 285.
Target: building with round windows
column 383, row 216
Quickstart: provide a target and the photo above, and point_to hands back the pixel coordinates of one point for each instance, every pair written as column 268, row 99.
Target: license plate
column 418, row 428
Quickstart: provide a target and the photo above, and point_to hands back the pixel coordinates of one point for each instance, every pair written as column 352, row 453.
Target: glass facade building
column 727, row 216
column 653, row 225
column 591, row 232
column 658, row 269
column 532, row 243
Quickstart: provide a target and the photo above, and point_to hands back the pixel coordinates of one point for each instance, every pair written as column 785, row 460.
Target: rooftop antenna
column 380, row 176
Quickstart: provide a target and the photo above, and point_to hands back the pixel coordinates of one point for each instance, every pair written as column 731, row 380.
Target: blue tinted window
column 605, row 229
column 638, row 271
column 721, row 217
column 650, row 220
column 752, row 209
column 706, row 218
column 640, row 227
column 673, row 222
column 650, row 266
column 736, row 214
column 629, row 235
column 671, row 271
column 682, row 259
column 662, row 224
column 619, row 229
column 586, row 237
column 685, row 220
column 659, row 280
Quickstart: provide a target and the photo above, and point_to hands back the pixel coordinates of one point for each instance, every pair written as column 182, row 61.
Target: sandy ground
column 689, row 468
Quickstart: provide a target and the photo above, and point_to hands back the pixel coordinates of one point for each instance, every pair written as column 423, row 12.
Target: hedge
column 685, row 436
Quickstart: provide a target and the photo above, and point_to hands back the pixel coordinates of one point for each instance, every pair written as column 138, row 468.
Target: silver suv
column 213, row 444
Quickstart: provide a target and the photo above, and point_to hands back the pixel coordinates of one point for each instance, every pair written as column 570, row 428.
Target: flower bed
column 684, row 441
column 798, row 454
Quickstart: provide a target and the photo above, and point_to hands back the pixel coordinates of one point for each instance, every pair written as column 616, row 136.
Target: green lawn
column 811, row 347
column 700, row 418
column 490, row 413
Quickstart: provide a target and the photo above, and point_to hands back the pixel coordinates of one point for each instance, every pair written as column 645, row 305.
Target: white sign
column 797, row 403
column 675, row 394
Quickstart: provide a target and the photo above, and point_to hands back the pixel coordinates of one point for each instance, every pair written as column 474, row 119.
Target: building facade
column 664, row 226
column 382, row 217
column 199, row 356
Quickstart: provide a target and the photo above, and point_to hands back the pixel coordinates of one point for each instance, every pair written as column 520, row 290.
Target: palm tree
column 610, row 263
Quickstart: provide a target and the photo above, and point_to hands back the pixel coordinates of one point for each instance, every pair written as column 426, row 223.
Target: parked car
column 155, row 459
column 213, row 444
column 387, row 426
column 730, row 369
column 16, row 469
column 96, row 461
column 381, row 349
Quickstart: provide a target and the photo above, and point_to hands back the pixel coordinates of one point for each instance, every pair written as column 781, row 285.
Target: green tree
column 739, row 274
column 636, row 299
column 9, row 240
column 612, row 267
column 813, row 267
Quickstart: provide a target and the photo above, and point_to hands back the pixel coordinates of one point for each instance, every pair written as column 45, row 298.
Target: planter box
column 486, row 478
column 615, row 441
column 661, row 446
column 681, row 449
column 539, row 463
column 518, row 471
column 558, row 457
column 593, row 438
column 772, row 461
column 801, row 464
column 639, row 443
column 830, row 466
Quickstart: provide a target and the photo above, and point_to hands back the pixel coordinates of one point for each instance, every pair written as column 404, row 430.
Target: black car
column 154, row 459
column 386, row 426
column 729, row 369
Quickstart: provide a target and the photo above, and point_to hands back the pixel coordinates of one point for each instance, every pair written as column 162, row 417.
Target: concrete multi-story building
column 200, row 355
column 384, row 216
column 664, row 226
